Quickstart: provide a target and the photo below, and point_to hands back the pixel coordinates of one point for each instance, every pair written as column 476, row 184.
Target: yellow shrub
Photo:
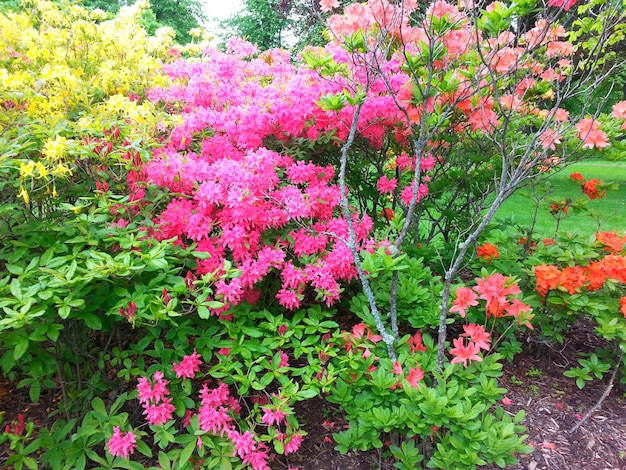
column 65, row 73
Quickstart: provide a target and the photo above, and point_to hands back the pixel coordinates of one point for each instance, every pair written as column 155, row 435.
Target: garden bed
column 535, row 383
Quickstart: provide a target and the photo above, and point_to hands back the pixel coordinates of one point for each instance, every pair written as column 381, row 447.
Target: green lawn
column 609, row 212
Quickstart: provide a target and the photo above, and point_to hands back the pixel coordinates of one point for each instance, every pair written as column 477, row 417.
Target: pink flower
column 272, row 417
column 494, row 290
column 478, row 335
column 550, row 139
column 244, row 443
column 284, row 360
column 407, row 193
column 463, row 353
column 565, row 4
column 294, row 444
column 159, row 414
column 415, row 375
column 328, row 5
column 465, row 298
column 257, row 460
column 154, row 392
column 507, row 401
column 619, row 110
column 188, row 366
column 386, row 185
column 591, row 135
column 121, row 444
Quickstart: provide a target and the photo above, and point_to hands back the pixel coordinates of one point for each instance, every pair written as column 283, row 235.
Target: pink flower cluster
column 121, row 444
column 477, row 338
column 496, row 290
column 157, row 406
column 245, row 203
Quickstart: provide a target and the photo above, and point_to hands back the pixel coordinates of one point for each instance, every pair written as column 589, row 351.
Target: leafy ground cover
column 534, row 383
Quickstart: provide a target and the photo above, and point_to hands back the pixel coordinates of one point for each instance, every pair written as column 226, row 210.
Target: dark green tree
column 262, row 22
column 181, row 15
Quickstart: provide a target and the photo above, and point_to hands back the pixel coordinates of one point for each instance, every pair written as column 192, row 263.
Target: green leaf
column 164, row 461
column 20, row 348
column 34, row 392
column 64, row 311
column 203, row 312
column 15, row 269
column 16, row 289
column 187, row 452
column 92, row 321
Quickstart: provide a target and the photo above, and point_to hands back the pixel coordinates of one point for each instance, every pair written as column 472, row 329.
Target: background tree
column 262, row 22
column 180, row 15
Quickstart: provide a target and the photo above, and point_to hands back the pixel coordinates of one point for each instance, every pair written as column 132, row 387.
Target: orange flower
column 546, row 278
column 612, row 243
column 577, row 177
column 590, row 189
column 622, row 305
column 387, row 213
column 572, row 279
column 487, row 252
column 614, row 266
column 596, row 276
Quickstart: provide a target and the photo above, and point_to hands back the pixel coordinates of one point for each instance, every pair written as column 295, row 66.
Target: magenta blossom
column 188, row 366
column 121, row 444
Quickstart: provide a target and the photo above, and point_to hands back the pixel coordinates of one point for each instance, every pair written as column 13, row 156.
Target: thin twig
column 602, row 398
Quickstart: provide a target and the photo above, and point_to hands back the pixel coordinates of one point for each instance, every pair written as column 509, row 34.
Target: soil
column 534, row 383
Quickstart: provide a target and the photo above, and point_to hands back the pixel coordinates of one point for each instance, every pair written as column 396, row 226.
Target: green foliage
column 447, row 420
column 262, row 22
column 417, row 288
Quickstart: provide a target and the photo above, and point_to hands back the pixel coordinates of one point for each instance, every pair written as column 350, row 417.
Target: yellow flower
column 42, row 170
column 24, row 194
column 62, row 170
column 26, row 169
column 55, row 149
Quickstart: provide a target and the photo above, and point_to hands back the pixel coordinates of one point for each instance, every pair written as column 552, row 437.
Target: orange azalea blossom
column 559, row 207
column 591, row 190
column 572, row 279
column 546, row 278
column 487, row 252
column 611, row 241
column 614, row 267
column 595, row 275
column 577, row 177
column 387, row 213
column 622, row 305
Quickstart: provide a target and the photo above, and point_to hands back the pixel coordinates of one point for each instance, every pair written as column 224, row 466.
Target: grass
column 607, row 214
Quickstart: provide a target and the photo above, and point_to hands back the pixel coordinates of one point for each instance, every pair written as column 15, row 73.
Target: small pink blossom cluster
column 499, row 293
column 188, row 367
column 591, row 135
column 121, row 444
column 153, row 396
column 619, row 112
column 477, row 339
